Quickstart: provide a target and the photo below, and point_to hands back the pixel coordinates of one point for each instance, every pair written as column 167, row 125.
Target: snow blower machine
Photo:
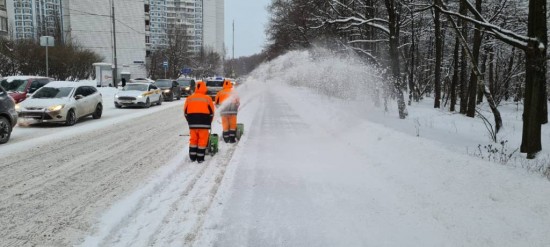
column 214, row 138
column 212, row 147
column 240, row 130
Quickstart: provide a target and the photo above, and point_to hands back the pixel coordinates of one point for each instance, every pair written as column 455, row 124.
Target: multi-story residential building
column 197, row 42
column 89, row 24
column 156, row 23
column 30, row 19
column 213, row 25
column 182, row 18
column 3, row 19
column 141, row 25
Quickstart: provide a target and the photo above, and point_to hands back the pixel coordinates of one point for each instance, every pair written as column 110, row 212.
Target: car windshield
column 214, row 83
column 15, row 85
column 52, row 92
column 136, row 87
column 184, row 83
column 164, row 83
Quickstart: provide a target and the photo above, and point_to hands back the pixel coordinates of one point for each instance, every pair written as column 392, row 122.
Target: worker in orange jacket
column 228, row 98
column 199, row 113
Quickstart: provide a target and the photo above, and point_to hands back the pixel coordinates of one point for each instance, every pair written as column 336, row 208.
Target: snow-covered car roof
column 217, row 78
column 64, row 84
column 136, row 80
column 21, row 77
column 141, row 83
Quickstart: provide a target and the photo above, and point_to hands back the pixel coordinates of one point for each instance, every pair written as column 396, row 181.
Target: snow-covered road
column 54, row 186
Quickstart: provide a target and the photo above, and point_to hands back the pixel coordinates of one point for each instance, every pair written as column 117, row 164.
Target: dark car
column 21, row 87
column 8, row 116
column 170, row 89
column 187, row 86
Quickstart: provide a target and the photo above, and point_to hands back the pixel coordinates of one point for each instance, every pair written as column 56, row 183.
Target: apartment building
column 89, row 24
column 141, row 25
column 30, row 19
column 213, row 25
column 156, row 23
column 3, row 19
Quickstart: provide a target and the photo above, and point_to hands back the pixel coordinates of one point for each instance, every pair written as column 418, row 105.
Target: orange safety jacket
column 232, row 107
column 199, row 108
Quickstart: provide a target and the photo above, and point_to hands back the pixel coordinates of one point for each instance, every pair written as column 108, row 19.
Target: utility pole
column 115, row 69
column 233, row 60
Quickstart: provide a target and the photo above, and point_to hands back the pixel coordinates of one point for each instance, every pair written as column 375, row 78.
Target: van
column 214, row 85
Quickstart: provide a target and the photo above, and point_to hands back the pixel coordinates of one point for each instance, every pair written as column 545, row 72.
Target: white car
column 61, row 102
column 141, row 80
column 138, row 94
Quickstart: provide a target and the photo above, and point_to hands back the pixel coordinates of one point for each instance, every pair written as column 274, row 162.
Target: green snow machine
column 240, row 130
column 212, row 147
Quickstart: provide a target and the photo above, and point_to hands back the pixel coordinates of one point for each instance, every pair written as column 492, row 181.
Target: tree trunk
column 535, row 112
column 483, row 65
column 438, row 54
column 412, row 90
column 473, row 87
column 508, row 79
column 464, row 64
column 394, row 25
column 492, row 75
column 455, row 75
column 479, row 76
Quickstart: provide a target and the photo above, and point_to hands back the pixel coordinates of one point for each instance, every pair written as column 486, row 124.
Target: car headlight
column 167, row 90
column 187, row 88
column 116, row 96
column 17, row 107
column 141, row 96
column 55, row 107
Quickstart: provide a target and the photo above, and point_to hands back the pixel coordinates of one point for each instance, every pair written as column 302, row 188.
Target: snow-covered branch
column 502, row 34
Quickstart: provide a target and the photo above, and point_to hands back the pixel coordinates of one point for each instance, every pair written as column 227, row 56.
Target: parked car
column 61, row 102
column 141, row 80
column 8, row 116
column 187, row 86
column 170, row 89
column 138, row 94
column 214, row 85
column 20, row 87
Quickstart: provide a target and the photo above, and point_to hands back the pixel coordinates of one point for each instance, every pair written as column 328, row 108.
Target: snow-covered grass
column 347, row 80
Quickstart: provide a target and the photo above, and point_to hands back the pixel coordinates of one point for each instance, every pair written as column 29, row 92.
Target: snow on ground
column 319, row 166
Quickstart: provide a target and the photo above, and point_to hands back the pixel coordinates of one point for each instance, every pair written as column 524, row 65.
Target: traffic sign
column 165, row 64
column 46, row 41
column 186, row 71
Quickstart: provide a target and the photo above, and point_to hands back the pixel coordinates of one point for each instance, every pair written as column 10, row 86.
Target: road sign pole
column 47, row 64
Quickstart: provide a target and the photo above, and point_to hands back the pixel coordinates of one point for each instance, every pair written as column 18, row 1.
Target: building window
column 3, row 24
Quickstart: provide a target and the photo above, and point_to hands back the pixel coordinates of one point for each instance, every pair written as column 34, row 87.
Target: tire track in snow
column 50, row 194
column 170, row 210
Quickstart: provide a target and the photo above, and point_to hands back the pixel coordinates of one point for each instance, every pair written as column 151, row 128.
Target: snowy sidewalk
column 311, row 174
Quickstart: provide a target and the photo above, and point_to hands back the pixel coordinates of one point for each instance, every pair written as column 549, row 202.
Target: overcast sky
column 250, row 19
